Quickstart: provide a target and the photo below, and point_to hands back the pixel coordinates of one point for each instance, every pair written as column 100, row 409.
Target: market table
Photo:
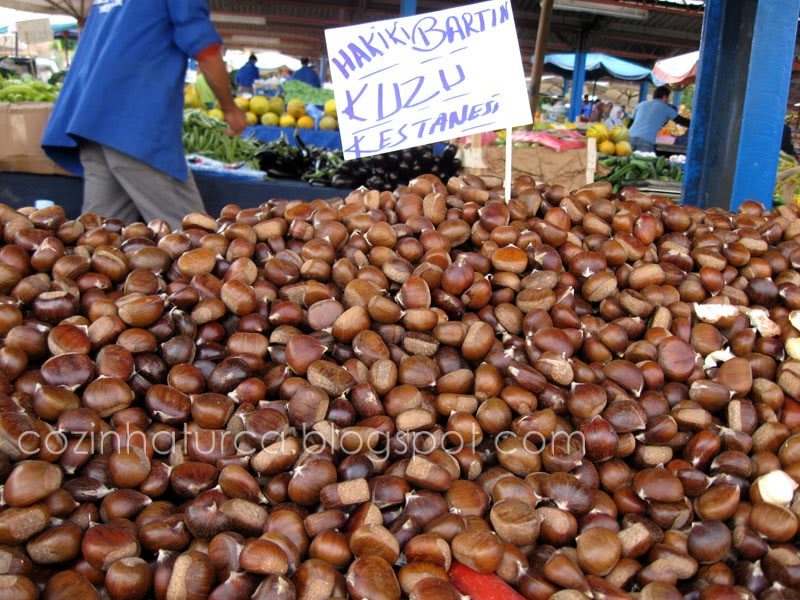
column 669, row 149
column 22, row 189
column 311, row 137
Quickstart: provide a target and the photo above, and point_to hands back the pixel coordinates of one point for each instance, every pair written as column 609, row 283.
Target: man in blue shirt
column 118, row 119
column 246, row 76
column 650, row 116
column 306, row 74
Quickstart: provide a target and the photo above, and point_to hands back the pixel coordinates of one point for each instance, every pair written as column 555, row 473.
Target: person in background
column 307, row 74
column 597, row 113
column 615, row 117
column 130, row 151
column 586, row 109
column 650, row 116
column 246, row 75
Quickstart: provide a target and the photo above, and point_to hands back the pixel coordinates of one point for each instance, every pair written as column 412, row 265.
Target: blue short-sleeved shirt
column 125, row 86
column 649, row 117
column 247, row 74
column 307, row 75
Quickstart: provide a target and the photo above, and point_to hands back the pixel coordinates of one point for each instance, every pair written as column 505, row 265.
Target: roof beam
column 611, row 51
column 654, row 6
column 651, row 41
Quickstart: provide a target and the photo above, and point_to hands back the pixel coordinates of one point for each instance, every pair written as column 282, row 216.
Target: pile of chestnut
column 410, row 394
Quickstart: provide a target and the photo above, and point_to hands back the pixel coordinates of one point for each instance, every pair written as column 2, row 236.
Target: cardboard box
column 21, row 128
column 570, row 168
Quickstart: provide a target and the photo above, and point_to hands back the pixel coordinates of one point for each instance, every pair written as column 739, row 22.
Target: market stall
column 594, row 67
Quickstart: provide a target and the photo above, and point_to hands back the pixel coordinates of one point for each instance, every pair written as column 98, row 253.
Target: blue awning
column 597, row 66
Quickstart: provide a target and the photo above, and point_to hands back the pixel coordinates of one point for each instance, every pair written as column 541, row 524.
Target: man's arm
column 211, row 65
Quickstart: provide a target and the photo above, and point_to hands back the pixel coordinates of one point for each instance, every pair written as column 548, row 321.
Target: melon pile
column 614, row 142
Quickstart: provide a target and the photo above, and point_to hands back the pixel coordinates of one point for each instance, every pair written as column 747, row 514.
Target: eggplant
column 392, row 159
column 343, row 181
column 375, row 182
column 449, row 153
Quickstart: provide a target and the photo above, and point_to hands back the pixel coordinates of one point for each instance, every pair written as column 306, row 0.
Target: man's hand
column 216, row 74
column 236, row 120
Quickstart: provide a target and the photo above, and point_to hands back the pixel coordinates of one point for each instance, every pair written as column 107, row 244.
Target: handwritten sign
column 35, row 31
column 415, row 80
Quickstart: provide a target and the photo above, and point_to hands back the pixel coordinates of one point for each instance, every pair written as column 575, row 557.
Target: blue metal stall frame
column 408, row 8
column 578, row 79
column 743, row 76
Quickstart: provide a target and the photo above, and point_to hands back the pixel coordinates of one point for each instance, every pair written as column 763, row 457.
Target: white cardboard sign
column 35, row 31
column 415, row 80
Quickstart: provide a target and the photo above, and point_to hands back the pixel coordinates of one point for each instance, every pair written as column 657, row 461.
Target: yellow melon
column 242, row 102
column 623, row 149
column 277, row 105
column 618, row 133
column 252, row 118
column 328, row 123
column 296, row 108
column 305, row 122
column 259, row 105
column 330, row 108
column 216, row 113
column 286, row 120
column 191, row 97
column 606, row 147
column 597, row 131
column 270, row 119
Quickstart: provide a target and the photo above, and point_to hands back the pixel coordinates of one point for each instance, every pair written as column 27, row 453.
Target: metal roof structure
column 296, row 27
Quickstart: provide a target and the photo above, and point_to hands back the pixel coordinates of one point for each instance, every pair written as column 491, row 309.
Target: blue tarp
column 597, row 66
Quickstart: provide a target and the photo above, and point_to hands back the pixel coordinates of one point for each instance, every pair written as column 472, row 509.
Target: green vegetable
column 27, row 90
column 622, row 172
column 297, row 90
column 204, row 136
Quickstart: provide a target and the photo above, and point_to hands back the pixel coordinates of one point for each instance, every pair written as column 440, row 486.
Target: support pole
column 771, row 56
column 676, row 98
column 408, row 8
column 644, row 88
column 578, row 79
column 323, row 61
column 737, row 121
column 542, row 35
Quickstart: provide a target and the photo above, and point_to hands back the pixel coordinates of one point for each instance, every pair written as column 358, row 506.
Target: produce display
column 309, row 163
column 280, row 111
column 611, row 143
column 387, row 171
column 787, row 182
column 324, row 167
column 27, row 90
column 637, row 168
column 306, row 93
column 203, row 135
column 411, row 393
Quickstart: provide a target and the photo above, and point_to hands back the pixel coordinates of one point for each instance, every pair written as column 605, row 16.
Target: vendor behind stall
column 118, row 119
column 307, row 74
column 246, row 76
column 650, row 116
